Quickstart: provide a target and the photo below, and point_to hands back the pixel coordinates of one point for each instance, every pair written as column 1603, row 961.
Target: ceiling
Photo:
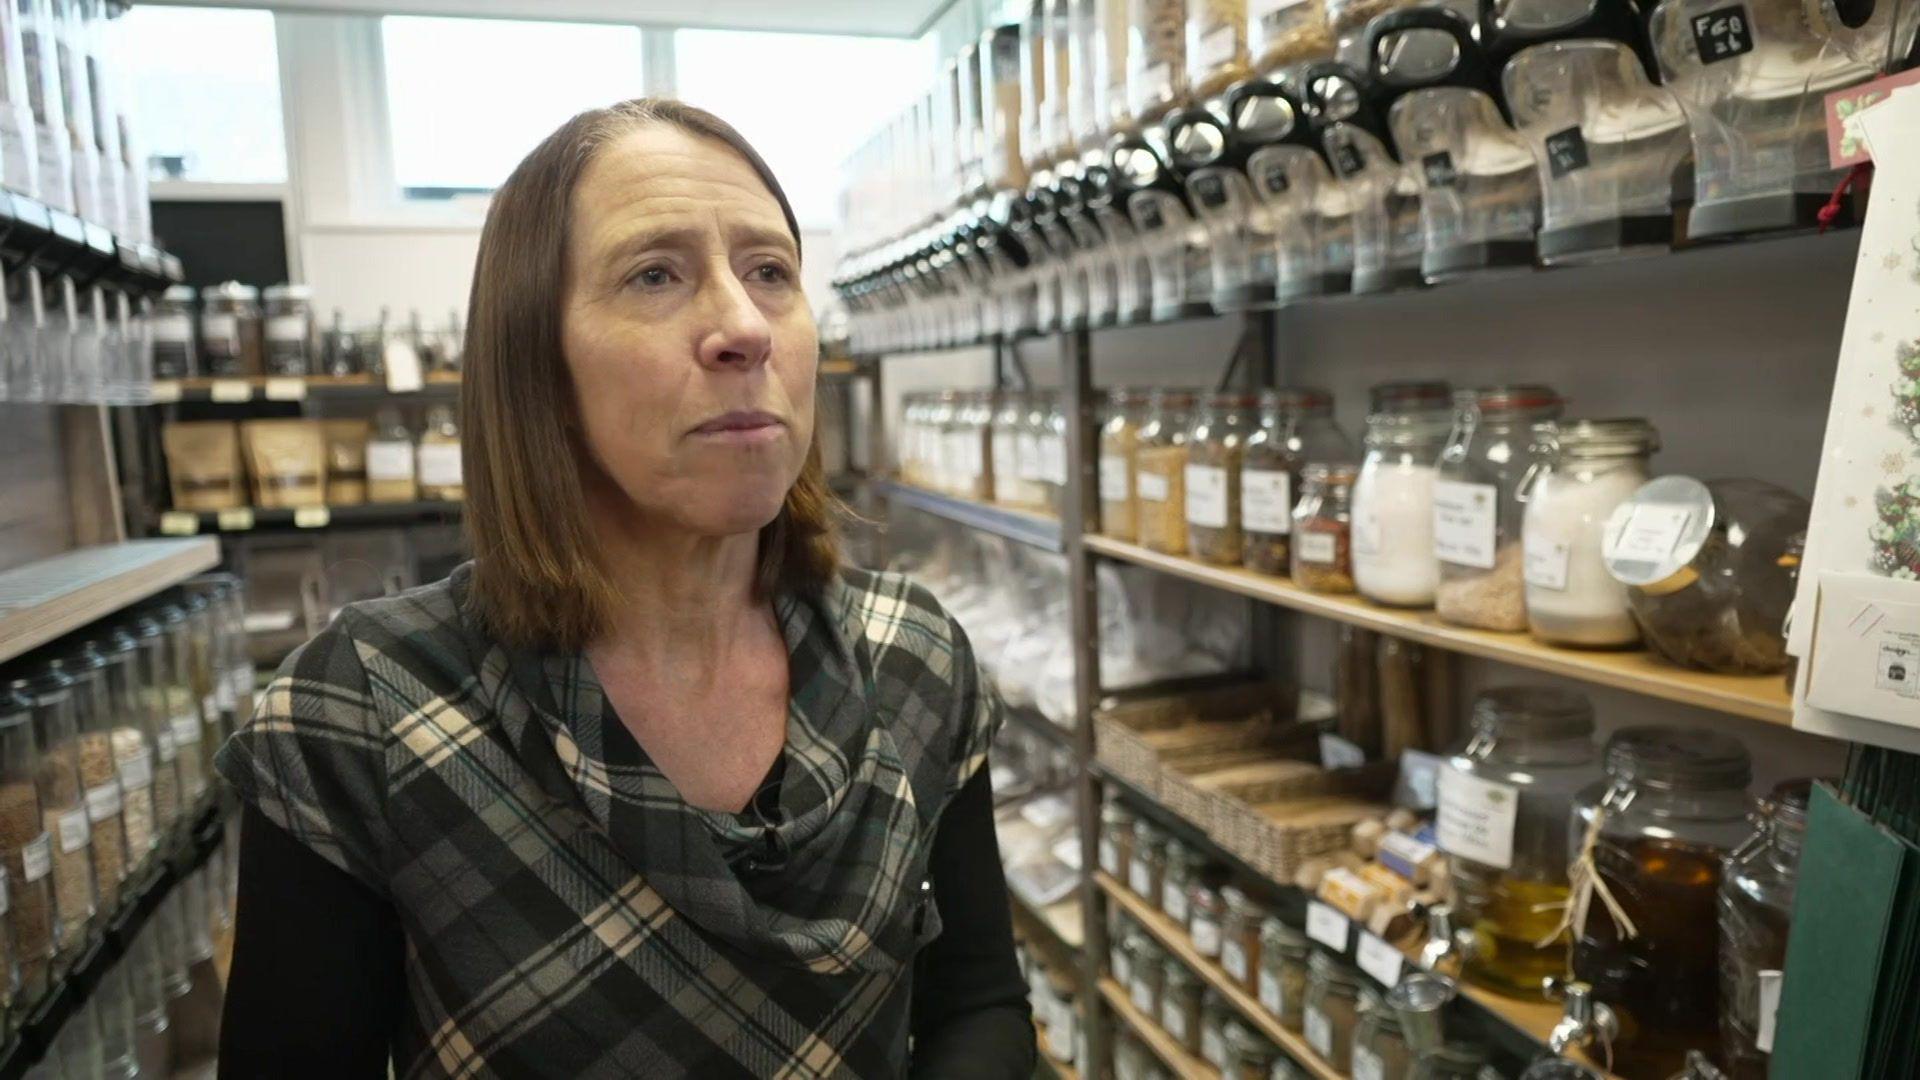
column 887, row 18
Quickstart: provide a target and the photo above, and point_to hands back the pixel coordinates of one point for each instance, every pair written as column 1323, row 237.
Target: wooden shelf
column 306, row 519
column 1756, row 697
column 243, row 389
column 46, row 599
column 1171, row 1054
column 1033, row 530
column 1174, row 939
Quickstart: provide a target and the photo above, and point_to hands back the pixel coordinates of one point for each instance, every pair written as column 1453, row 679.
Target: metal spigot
column 1584, row 1021
column 1445, row 945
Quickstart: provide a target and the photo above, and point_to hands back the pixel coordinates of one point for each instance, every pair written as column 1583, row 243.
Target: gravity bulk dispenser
column 1479, row 195
column 1079, row 301
column 1383, row 195
column 1210, row 157
column 1309, row 216
column 1752, row 76
column 1179, row 269
column 1125, row 264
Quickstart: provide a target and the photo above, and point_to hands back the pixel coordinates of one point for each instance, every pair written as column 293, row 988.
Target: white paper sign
column 1140, row 878
column 1113, row 477
column 1319, row 1032
column 1380, row 960
column 1318, row 548
column 1326, row 925
column 1547, row 562
column 1266, row 503
column 1110, row 857
column 389, row 461
column 1233, row 957
column 1207, row 496
column 1648, row 534
column 1206, row 937
column 1770, row 982
column 1153, row 487
column 1476, row 818
column 1464, row 518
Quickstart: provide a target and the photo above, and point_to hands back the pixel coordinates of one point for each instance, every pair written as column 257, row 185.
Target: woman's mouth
column 741, row 426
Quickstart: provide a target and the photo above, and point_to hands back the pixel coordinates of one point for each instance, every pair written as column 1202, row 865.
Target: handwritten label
column 136, row 771
column 1140, row 878
column 1319, row 1032
column 1464, row 523
column 1173, row 901
column 1206, row 936
column 1266, row 503
column 1566, row 152
column 1347, row 159
column 1269, row 991
column 1110, row 857
column 1174, row 1019
column 1328, row 926
column 1438, row 168
column 1476, row 818
column 186, row 729
column 1723, row 33
column 1649, row 534
column 1142, row 996
column 1233, row 957
column 1380, row 960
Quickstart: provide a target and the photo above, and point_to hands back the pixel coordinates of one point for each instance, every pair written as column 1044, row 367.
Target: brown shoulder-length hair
column 538, row 581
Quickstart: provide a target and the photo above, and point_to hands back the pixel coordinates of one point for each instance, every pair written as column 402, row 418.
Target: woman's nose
column 738, row 334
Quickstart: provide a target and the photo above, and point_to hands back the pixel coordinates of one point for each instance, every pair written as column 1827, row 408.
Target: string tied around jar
column 1584, row 881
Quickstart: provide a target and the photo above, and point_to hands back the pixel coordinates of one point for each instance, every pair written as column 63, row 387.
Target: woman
column 653, row 786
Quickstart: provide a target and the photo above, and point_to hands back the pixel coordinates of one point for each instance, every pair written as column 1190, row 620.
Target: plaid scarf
column 566, row 913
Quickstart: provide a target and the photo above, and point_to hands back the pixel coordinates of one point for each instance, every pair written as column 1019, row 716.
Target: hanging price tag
column 179, row 523
column 230, row 390
column 286, row 389
column 1380, row 960
column 238, row 520
column 1327, row 926
column 312, row 517
column 163, row 391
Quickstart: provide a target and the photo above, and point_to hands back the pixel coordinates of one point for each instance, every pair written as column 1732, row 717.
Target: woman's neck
column 680, row 592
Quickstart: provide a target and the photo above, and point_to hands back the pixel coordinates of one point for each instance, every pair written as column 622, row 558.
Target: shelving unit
column 1033, row 530
column 306, row 518
column 1171, row 1054
column 43, row 600
column 296, row 388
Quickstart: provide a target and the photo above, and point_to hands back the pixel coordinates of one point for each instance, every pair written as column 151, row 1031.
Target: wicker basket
column 1296, row 830
column 1133, row 730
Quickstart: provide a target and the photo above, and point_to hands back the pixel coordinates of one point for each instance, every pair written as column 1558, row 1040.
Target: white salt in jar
column 1584, row 469
column 1393, row 560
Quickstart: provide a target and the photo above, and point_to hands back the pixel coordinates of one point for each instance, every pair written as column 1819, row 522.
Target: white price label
column 1233, row 957
column 1142, row 996
column 312, row 517
column 1006, row 458
column 73, row 830
column 1476, row 818
column 171, row 329
column 1319, row 1032
column 286, row 388
column 1547, row 562
column 1154, row 487
column 1380, row 960
column 1113, row 478
column 1269, row 985
column 291, row 328
column 230, row 390
column 1266, row 502
column 1367, row 1065
column 1053, row 459
column 1326, row 925
column 1174, row 1019
column 1110, row 857
column 179, row 523
column 1213, row 1047
column 186, row 730
column 1206, row 936
column 1140, row 878
column 1464, row 517
column 210, row 705
column 136, row 771
column 1338, row 753
column 1207, row 496
column 103, row 801
column 1173, row 901
column 1031, row 464
column 1318, row 548
column 1769, row 991
column 36, row 859
column 1648, row 534
column 440, row 464
column 389, row 461
column 239, row 519
column 163, row 745
column 163, row 391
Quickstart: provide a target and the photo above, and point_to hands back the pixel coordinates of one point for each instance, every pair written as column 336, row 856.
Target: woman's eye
column 653, row 277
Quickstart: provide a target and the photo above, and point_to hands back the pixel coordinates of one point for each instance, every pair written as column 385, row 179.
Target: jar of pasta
column 1216, row 45
column 1240, row 942
column 1156, row 58
column 1215, row 444
column 1119, row 435
column 1160, row 467
column 1285, row 32
column 1322, row 526
column 1296, row 426
column 1283, row 972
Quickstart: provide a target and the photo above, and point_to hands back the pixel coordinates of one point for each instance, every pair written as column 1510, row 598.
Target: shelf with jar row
column 1184, row 1064
column 44, row 600
column 239, row 391
column 304, row 518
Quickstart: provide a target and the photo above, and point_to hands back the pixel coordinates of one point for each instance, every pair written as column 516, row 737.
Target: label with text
column 1723, row 33
column 1476, row 818
column 36, row 859
column 1566, row 152
column 1318, row 548
column 136, row 771
column 1154, row 487
column 1319, row 1032
column 103, row 800
column 1266, row 501
column 1113, row 478
column 1326, row 925
column 390, row 460
column 1207, row 496
column 1464, row 520
column 1547, row 562
column 73, row 829
column 1380, row 960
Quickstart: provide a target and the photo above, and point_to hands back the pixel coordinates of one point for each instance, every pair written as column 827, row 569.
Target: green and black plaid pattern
column 566, row 913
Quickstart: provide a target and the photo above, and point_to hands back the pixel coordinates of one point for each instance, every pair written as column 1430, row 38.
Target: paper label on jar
column 136, row 771
column 1319, row 1032
column 220, row 331
column 1380, row 960
column 1367, row 1065
column 1173, row 901
column 1217, row 48
column 210, row 705
column 389, row 461
column 1154, row 487
column 1769, row 989
column 1233, row 957
column 1547, row 562
column 287, row 329
column 242, row 676
column 73, row 830
column 1029, row 466
column 186, row 729
column 163, row 744
column 36, row 859
column 1053, row 459
column 1649, row 534
column 1006, row 458
column 103, row 801
column 1110, row 857
column 1140, row 878
column 1206, row 936
column 1266, row 501
column 1464, row 518
column 1269, row 991
column 1173, row 1018
column 1213, row 1046
column 1207, row 496
column 1319, row 548
column 171, row 329
column 1326, row 925
column 1368, row 540
column 1142, row 996
column 1476, row 817
column 1113, row 478
column 1157, row 80
column 440, row 464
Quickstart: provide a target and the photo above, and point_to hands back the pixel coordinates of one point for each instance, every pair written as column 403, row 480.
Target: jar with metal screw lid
column 1206, row 919
column 230, row 330
column 1183, row 869
column 1284, row 952
column 1240, row 944
column 1146, row 874
column 1180, row 999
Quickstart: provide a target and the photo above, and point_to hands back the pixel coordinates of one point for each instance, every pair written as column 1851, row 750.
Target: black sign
column 1438, row 167
column 1150, row 218
column 1347, row 160
column 1566, row 152
column 1723, row 33
column 1210, row 191
column 1275, row 179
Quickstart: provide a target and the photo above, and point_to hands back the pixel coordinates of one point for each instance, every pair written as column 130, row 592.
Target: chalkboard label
column 1275, row 179
column 1723, row 33
column 1566, row 152
column 1210, row 191
column 1150, row 217
column 1347, row 159
column 1438, row 167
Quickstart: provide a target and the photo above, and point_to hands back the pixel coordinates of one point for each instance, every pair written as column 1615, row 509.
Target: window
column 805, row 101
column 468, row 98
column 202, row 120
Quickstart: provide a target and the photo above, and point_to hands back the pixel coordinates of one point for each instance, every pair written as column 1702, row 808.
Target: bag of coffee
column 287, row 461
column 203, row 465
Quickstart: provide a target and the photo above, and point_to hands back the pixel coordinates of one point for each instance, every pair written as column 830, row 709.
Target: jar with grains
column 1250, row 1055
column 1332, row 1010
column 1216, row 46
column 131, row 737
column 1283, row 972
column 1002, row 165
column 1672, row 806
column 1380, row 1050
column 156, row 670
column 1756, row 907
column 1393, row 560
column 27, row 933
column 1476, row 505
column 1323, row 529
column 977, row 425
column 1504, row 799
column 230, row 330
column 1180, row 995
column 1215, row 1015
column 1296, row 427
column 1149, row 977
column 1240, row 939
column 1281, row 33
column 390, row 471
column 438, row 456
column 183, row 706
column 99, row 775
column 1156, row 58
column 1709, row 569
column 1184, row 866
column 1583, row 470
column 1160, row 468
column 170, row 328
column 63, row 804
column 1206, row 919
column 1215, row 444
column 1146, row 874
column 289, row 330
column 1116, row 840
column 1119, row 436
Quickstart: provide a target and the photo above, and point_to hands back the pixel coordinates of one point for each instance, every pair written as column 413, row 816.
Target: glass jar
column 131, row 737
column 1380, row 1050
column 1281, row 33
column 1250, row 1055
column 390, row 472
column 289, row 330
column 170, row 328
column 1131, row 943
column 1131, row 1060
column 1756, row 906
column 1454, row 1061
column 146, row 973
column 1348, row 20
column 203, row 676
column 99, row 775
column 438, row 457
column 1283, row 972
column 1216, row 46
column 1034, row 43
column 1180, row 994
column 1206, row 919
column 1504, row 799
column 1183, row 870
column 1393, row 560
column 1215, row 1015
column 942, row 464
column 1584, row 470
column 1054, row 488
column 1156, row 58
column 1149, row 976
column 1323, row 529
column 114, row 993
column 19, row 830
column 1240, row 938
column 1116, row 840
column 1009, row 420
column 913, row 434
column 155, row 665
column 1215, row 444
column 1410, row 396
column 63, row 804
column 1296, row 427
column 230, row 330
column 1035, row 427
column 1160, row 467
column 1708, row 569
column 1119, row 435
column 1146, row 874
column 1332, row 1010
column 1476, row 505
column 1671, row 807
column 978, row 424
column 183, row 705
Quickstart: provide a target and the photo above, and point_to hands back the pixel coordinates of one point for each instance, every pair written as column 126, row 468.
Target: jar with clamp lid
column 1184, row 866
column 1160, row 468
column 1323, row 529
column 1119, row 438
column 170, row 328
column 1146, row 875
column 1393, row 561
column 1215, row 446
column 1250, row 1055
column 1296, row 428
column 1756, row 907
column 1477, row 507
column 1583, row 470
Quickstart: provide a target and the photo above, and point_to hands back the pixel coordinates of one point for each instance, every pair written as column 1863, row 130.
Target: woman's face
column 690, row 344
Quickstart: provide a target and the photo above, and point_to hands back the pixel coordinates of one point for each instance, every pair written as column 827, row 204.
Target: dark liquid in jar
column 1665, row 982
column 1755, row 941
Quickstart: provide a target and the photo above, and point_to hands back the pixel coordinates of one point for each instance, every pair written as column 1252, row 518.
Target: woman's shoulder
column 897, row 614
